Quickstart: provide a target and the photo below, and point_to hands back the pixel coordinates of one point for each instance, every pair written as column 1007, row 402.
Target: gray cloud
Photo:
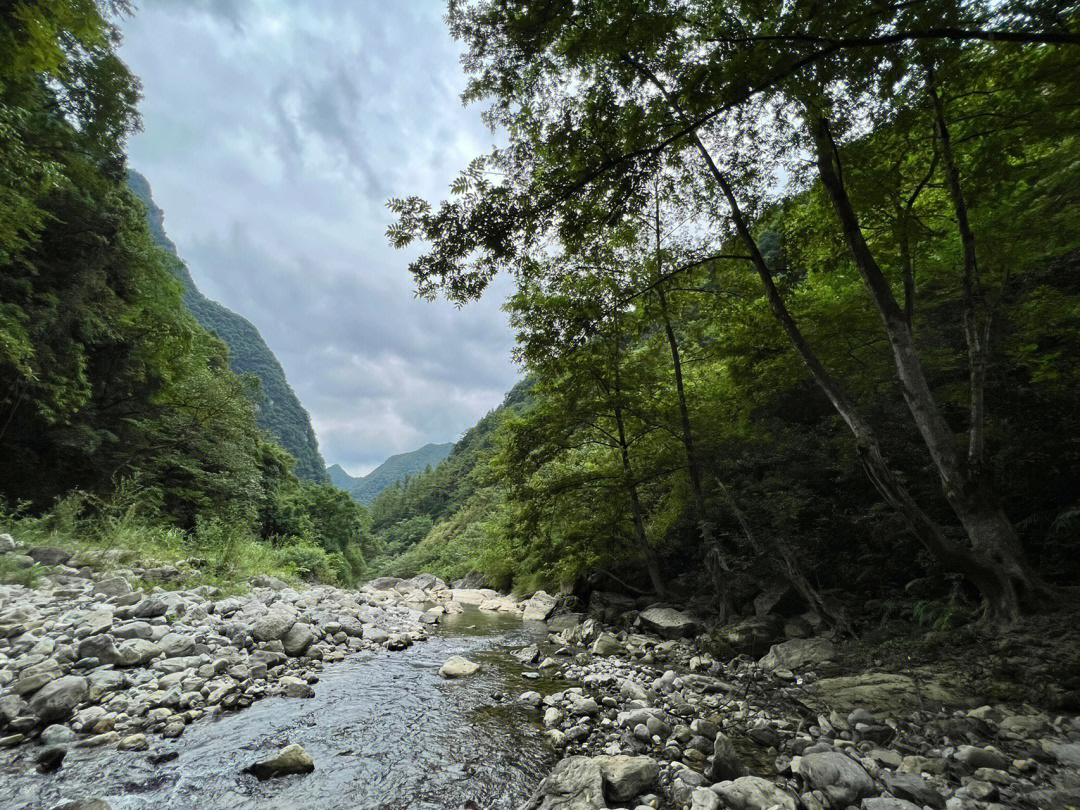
column 274, row 132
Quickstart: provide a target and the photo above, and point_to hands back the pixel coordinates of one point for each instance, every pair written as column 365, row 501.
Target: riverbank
column 640, row 705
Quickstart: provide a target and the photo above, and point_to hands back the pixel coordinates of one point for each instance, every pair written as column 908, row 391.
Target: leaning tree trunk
column 636, row 510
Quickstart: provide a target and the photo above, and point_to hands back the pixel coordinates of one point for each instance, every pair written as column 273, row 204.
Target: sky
column 274, row 132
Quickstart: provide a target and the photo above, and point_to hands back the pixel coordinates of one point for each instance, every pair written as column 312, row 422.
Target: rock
column 7, row 543
column 914, row 788
column 55, row 702
column 754, row 793
column 626, row 777
column 799, row 652
column 878, row 692
column 49, row 555
column 575, row 783
column 290, row 759
column 137, row 651
column 704, row 799
column 456, row 667
column 296, row 687
column 668, row 622
column 298, row 639
column 771, row 596
column 101, row 647
column 753, row 636
column 36, row 676
column 565, row 621
column 606, row 644
column 56, row 734
column 533, row 699
column 175, row 645
column 150, row 607
column 837, row 775
column 1067, row 754
column 975, row 757
column 112, row 586
column 725, row 762
column 84, row 804
column 51, row 758
column 134, row 742
column 527, row 655
column 273, row 626
column 539, row 607
column 886, row 803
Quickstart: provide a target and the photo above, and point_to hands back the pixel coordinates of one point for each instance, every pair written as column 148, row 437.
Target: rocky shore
column 645, row 710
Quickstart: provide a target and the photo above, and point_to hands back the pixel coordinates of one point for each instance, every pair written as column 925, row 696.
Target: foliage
column 396, row 468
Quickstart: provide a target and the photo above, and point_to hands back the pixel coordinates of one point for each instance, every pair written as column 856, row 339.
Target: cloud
column 274, row 132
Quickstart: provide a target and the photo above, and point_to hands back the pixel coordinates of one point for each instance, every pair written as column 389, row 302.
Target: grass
column 222, row 553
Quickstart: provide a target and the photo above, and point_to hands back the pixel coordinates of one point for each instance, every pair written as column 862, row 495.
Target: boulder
column 798, row 652
column 112, row 586
column 49, row 555
column 55, row 701
column 914, row 788
column 527, row 655
column 877, row 692
column 609, row 607
column 725, row 762
column 668, row 622
column 296, row 687
column 575, row 783
column 753, row 636
column 175, row 645
column 836, row 775
column 1067, row 754
column 298, row 639
column 975, row 757
column 137, row 651
column 626, row 777
column 539, row 607
column 101, row 647
column 606, row 644
column 755, row 793
column 151, row 607
column 704, row 799
column 7, row 543
column 36, row 676
column 456, row 667
column 887, row 803
column 290, row 759
column 273, row 626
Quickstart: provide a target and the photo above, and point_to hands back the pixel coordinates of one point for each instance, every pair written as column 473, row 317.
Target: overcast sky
column 275, row 131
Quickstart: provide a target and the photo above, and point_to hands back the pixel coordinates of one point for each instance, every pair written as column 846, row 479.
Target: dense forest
column 797, row 291
column 279, row 411
column 121, row 417
column 366, row 488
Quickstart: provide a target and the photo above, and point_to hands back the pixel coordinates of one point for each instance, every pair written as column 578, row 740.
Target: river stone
column 606, row 644
column 539, row 607
column 7, row 543
column 799, row 652
column 914, row 788
column 97, row 621
column 668, row 622
column 176, row 645
column 298, row 639
column 626, row 777
column 837, row 775
column 754, row 793
column 704, row 799
column 877, row 692
column 54, row 702
column 609, row 607
column 1067, row 754
column 49, row 555
column 151, row 607
column 975, row 757
column 112, row 586
column 527, row 655
column 725, row 762
column 137, row 651
column 457, row 666
column 290, row 759
column 575, row 783
column 273, row 626
column 296, row 687
column 753, row 636
column 36, row 676
column 887, row 803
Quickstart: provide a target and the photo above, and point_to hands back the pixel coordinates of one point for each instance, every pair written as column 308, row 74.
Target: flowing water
column 384, row 729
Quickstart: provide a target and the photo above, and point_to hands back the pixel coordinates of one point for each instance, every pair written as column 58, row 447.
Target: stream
column 384, row 730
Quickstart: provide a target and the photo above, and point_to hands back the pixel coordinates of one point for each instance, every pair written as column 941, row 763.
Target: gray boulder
column 49, row 555
column 112, row 586
column 101, row 647
column 838, row 776
column 887, row 803
column 626, row 777
column 273, row 626
column 150, row 607
column 755, row 793
column 298, row 639
column 456, row 667
column 606, row 644
column 176, row 645
column 539, row 607
column 576, row 783
column 799, row 652
column 137, row 651
column 668, row 622
column 725, row 762
column 289, row 760
column 704, row 799
column 55, row 701
column 7, row 543
column 914, row 788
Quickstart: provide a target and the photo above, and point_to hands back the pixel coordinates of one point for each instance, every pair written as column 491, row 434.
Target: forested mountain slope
column 396, row 468
column 279, row 410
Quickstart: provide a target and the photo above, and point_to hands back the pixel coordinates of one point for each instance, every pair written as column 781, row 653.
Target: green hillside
column 396, row 468
column 279, row 411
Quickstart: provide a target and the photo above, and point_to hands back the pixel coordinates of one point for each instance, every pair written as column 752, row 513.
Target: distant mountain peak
column 402, row 465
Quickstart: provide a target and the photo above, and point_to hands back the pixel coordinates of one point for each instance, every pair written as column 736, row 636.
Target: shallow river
column 384, row 729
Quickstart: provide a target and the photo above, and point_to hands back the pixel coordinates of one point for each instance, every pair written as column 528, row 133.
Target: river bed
column 384, row 730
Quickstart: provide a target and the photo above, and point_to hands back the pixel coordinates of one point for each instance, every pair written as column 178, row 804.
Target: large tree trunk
column 1004, row 575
